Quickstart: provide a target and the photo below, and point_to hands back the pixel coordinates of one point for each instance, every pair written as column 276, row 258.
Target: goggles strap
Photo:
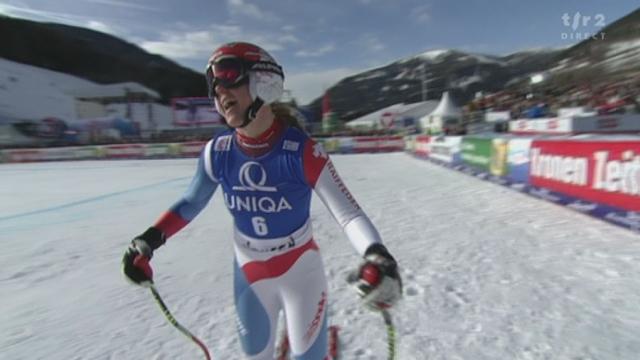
column 268, row 66
column 252, row 111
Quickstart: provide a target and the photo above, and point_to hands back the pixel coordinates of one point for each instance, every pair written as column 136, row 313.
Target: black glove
column 135, row 262
column 378, row 281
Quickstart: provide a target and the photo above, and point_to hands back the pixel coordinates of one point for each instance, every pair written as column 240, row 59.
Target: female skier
column 267, row 169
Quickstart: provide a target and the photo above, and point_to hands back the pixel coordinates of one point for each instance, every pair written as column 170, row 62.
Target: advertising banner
column 499, row 153
column 346, row 145
column 156, row 150
column 476, row 152
column 518, row 160
column 192, row 149
column 23, row 155
column 60, row 154
column 365, row 144
column 606, row 172
column 596, row 124
column 422, row 145
column 87, row 152
column 557, row 126
column 604, row 124
column 377, row 144
column 410, row 143
column 195, row 111
column 446, row 149
column 124, row 151
column 175, row 149
column 330, row 145
column 494, row 116
column 390, row 143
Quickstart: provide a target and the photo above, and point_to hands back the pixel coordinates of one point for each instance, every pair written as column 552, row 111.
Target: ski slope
column 489, row 273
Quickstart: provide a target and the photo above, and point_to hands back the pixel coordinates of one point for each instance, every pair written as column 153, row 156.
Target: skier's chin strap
column 252, row 112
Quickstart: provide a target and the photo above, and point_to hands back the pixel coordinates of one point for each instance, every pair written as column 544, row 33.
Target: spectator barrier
column 106, row 152
column 343, row 145
column 597, row 177
column 446, row 149
column 422, row 145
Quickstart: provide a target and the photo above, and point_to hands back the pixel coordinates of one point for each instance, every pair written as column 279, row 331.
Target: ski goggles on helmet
column 229, row 72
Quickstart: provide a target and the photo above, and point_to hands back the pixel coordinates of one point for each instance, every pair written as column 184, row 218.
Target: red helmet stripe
column 242, row 50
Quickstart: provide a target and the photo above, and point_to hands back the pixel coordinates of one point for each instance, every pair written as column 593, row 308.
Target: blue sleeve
column 198, row 194
column 192, row 202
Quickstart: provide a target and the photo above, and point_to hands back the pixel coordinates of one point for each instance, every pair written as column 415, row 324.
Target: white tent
column 375, row 119
column 392, row 116
column 410, row 118
column 445, row 113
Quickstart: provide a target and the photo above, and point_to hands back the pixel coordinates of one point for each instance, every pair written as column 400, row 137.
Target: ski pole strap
column 391, row 334
column 175, row 323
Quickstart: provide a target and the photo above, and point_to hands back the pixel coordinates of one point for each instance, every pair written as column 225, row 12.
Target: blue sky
column 320, row 42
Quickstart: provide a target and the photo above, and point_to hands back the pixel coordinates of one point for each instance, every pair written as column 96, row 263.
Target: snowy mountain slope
column 22, row 86
column 612, row 53
column 96, row 56
column 441, row 70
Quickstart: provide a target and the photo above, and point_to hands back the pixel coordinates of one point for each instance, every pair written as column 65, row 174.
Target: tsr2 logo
column 583, row 26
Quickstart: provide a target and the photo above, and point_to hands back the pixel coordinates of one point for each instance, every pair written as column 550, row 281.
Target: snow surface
column 433, row 55
column 623, row 46
column 22, row 86
column 371, row 75
column 622, row 53
column 465, row 81
column 489, row 273
column 484, row 59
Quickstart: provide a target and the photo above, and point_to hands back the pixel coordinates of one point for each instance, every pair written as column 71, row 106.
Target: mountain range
column 613, row 54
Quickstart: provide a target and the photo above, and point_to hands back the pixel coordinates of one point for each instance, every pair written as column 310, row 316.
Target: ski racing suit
column 277, row 261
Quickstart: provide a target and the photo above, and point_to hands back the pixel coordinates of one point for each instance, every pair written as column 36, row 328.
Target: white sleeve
column 344, row 208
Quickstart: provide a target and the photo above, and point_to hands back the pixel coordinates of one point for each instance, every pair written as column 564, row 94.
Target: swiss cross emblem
column 318, row 151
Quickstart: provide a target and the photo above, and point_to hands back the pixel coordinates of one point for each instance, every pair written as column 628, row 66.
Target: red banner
column 378, row 144
column 124, row 151
column 25, row 155
column 193, row 148
column 422, row 145
column 606, row 172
